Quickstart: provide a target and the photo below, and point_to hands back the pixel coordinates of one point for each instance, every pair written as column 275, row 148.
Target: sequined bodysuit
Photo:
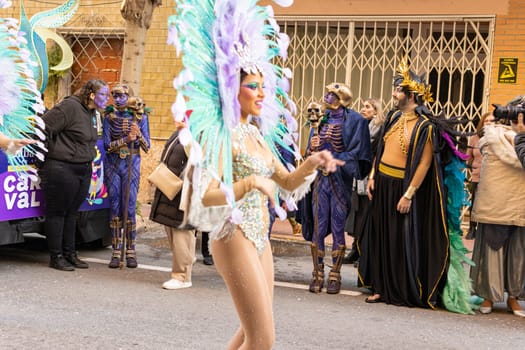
column 254, row 205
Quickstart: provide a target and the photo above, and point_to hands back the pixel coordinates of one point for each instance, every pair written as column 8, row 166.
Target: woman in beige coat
column 499, row 249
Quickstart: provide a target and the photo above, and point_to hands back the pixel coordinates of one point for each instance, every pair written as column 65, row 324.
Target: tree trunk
column 133, row 57
column 138, row 15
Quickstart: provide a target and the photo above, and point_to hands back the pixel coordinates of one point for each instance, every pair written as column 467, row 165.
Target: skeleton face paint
column 120, row 99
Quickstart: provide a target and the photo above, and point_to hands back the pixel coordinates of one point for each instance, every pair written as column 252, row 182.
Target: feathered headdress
column 414, row 83
column 20, row 99
column 218, row 39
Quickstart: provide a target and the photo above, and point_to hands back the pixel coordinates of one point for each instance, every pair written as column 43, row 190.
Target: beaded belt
column 124, row 152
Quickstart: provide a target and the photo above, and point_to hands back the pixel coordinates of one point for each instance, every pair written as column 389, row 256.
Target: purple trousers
column 330, row 209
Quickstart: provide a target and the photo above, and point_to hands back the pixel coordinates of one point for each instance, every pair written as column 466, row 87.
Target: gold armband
column 372, row 173
column 410, row 192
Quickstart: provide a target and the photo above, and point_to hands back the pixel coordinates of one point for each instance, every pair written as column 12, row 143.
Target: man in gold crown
column 404, row 251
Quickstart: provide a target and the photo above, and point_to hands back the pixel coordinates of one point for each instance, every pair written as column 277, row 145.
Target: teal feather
column 55, row 17
column 35, row 44
column 458, row 288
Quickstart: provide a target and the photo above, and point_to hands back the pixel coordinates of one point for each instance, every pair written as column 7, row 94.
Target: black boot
column 208, row 260
column 352, row 255
column 75, row 261
column 60, row 263
column 471, row 231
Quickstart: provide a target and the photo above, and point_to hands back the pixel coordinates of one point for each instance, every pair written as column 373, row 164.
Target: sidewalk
column 284, row 242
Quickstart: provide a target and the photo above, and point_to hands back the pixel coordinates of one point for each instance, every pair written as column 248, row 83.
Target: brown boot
column 116, row 232
column 334, row 277
column 317, row 283
column 297, row 228
column 131, row 259
column 114, row 263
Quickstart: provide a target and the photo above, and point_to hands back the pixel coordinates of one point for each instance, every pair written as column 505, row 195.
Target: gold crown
column 418, row 87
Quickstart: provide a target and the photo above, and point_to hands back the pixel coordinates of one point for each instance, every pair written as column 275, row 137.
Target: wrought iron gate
column 97, row 46
column 454, row 53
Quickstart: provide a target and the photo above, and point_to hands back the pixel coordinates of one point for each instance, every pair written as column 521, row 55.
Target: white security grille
column 93, row 49
column 454, row 55
column 98, row 43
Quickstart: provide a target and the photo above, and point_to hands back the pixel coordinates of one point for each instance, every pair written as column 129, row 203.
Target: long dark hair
column 90, row 86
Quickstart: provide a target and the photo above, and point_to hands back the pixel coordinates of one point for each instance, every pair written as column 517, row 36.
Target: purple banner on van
column 22, row 198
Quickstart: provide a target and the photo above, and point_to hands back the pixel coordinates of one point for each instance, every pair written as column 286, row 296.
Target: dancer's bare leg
column 246, row 276
column 267, row 263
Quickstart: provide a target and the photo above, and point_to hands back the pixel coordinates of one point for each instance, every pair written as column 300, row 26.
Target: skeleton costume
column 345, row 134
column 122, row 166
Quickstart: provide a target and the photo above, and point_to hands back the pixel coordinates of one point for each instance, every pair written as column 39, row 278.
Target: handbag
column 165, row 179
column 361, row 187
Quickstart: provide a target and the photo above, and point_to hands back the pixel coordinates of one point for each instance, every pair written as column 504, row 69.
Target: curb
column 289, row 247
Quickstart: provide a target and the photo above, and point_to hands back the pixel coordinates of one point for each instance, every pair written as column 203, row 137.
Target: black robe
column 404, row 257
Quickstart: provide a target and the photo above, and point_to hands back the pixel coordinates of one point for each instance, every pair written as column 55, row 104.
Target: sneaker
column 58, row 262
column 486, row 307
column 208, row 260
column 175, row 284
column 75, row 261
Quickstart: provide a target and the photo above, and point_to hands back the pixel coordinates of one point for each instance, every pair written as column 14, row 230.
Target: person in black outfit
column 205, row 249
column 71, row 128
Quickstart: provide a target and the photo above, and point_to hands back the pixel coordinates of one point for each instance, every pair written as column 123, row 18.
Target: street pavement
column 101, row 308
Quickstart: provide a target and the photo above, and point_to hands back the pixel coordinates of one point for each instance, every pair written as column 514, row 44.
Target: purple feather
column 452, row 146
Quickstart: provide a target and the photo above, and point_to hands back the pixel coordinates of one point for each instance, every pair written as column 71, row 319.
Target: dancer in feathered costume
column 412, row 253
column 20, row 99
column 229, row 82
